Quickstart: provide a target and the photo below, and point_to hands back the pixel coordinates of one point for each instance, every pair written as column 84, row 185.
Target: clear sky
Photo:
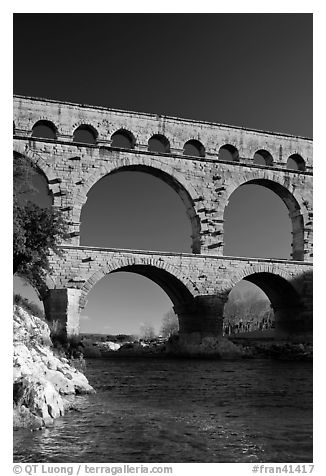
column 252, row 70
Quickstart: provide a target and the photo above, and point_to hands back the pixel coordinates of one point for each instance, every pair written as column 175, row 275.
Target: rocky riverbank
column 175, row 346
column 207, row 347
column 279, row 351
column 44, row 384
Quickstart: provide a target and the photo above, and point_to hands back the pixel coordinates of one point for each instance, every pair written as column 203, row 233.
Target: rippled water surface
column 155, row 410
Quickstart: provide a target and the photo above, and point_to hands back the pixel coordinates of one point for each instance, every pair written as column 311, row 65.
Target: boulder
column 109, row 345
column 41, row 380
column 24, row 418
column 39, row 397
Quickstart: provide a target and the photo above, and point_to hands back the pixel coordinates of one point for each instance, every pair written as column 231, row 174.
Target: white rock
column 40, row 378
column 108, row 345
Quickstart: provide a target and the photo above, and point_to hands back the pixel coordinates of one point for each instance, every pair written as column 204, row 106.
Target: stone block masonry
column 198, row 283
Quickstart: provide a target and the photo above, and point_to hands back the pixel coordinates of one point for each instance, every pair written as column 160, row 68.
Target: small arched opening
column 263, row 157
column 123, row 139
column 296, row 162
column 229, row 153
column 194, row 148
column 159, row 143
column 85, row 134
column 45, row 130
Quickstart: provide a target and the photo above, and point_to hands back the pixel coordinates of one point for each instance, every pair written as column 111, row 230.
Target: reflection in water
column 149, row 410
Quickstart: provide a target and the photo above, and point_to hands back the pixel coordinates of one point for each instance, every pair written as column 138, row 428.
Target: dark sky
column 252, row 70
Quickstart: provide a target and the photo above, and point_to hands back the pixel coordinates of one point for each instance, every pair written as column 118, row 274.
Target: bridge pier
column 291, row 322
column 62, row 308
column 202, row 318
column 205, row 186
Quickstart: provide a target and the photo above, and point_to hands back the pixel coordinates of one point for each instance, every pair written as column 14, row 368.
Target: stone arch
column 263, row 155
column 231, row 150
column 282, row 188
column 166, row 173
column 47, row 123
column 127, row 134
column 196, row 145
column 161, row 139
column 37, row 159
column 298, row 161
column 179, row 288
column 41, row 288
column 282, row 290
column 27, row 123
column 260, row 268
column 85, row 127
column 46, row 169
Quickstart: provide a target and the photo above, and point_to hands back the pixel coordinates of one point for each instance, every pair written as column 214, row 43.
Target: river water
column 157, row 410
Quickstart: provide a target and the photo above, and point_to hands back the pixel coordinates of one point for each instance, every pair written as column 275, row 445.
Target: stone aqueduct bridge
column 198, row 283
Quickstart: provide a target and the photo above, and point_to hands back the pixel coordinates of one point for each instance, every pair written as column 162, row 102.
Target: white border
column 317, row 7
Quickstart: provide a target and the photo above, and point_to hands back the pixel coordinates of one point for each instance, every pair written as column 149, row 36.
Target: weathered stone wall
column 198, row 284
column 204, row 184
column 67, row 117
column 198, row 278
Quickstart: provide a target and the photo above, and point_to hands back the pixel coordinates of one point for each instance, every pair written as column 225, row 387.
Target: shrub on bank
column 67, row 346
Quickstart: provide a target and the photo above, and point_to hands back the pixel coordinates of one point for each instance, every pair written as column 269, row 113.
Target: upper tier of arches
column 85, row 134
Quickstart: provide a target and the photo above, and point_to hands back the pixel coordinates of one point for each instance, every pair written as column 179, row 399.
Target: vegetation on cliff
column 43, row 380
column 37, row 230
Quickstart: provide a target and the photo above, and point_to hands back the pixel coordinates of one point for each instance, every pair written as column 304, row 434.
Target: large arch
column 41, row 289
column 46, row 168
column 292, row 204
column 38, row 171
column 176, row 285
column 170, row 177
column 178, row 288
column 281, row 289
